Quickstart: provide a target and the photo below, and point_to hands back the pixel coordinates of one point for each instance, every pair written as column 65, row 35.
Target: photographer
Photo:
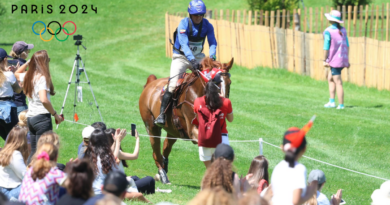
column 38, row 87
column 8, row 85
column 19, row 53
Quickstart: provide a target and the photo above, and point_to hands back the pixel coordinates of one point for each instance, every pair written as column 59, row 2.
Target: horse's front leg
column 168, row 144
column 158, row 159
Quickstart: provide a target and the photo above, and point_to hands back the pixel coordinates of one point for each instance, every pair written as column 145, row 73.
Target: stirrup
column 160, row 121
column 163, row 177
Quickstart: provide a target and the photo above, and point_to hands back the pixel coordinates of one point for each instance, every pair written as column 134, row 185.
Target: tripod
column 76, row 65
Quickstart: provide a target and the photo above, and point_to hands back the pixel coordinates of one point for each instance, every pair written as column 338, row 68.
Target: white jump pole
column 261, row 145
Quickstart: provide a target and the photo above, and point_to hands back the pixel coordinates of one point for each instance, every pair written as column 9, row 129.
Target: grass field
column 125, row 42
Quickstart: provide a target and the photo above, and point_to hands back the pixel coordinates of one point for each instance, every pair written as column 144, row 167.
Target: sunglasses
column 198, row 15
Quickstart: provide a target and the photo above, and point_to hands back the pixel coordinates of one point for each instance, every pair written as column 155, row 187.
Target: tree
column 273, row 5
column 350, row 2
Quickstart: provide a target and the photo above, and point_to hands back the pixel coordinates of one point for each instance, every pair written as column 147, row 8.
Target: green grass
column 125, row 43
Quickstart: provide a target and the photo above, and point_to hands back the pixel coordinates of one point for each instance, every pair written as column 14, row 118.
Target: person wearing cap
column 381, row 196
column 187, row 49
column 8, row 85
column 336, row 49
column 318, row 175
column 19, row 53
column 115, row 185
column 212, row 101
column 87, row 131
column 288, row 179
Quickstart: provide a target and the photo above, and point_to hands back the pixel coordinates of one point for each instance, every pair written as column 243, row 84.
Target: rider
column 187, row 49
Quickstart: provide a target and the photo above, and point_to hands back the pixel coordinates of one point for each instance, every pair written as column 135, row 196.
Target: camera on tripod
column 77, row 37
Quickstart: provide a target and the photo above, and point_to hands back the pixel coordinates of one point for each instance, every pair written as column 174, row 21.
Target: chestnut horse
column 149, row 107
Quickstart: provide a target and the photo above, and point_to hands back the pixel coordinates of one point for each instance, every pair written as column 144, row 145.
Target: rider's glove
column 195, row 65
column 213, row 57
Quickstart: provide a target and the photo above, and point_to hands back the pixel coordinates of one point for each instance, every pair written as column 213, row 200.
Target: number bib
column 196, row 47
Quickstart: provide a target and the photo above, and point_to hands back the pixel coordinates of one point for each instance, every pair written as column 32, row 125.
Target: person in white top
column 13, row 162
column 8, row 85
column 288, row 179
column 38, row 87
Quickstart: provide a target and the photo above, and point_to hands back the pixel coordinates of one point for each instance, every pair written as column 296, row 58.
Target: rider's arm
column 211, row 39
column 182, row 34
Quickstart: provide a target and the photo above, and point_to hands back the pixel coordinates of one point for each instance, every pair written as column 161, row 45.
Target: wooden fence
column 274, row 44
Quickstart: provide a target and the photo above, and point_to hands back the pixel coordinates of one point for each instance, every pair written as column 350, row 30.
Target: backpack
column 195, row 38
column 210, row 128
column 261, row 184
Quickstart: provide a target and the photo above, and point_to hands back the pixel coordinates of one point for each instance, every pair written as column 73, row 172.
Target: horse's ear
column 228, row 66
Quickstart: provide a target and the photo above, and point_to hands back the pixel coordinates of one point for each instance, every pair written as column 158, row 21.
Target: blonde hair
column 253, row 198
column 42, row 166
column 46, row 137
column 2, row 69
column 312, row 200
column 17, row 140
column 214, row 196
column 22, row 118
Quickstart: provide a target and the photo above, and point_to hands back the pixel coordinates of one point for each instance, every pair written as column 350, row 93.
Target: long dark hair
column 290, row 155
column 109, row 132
column 213, row 101
column 339, row 28
column 80, row 178
column 39, row 65
column 98, row 147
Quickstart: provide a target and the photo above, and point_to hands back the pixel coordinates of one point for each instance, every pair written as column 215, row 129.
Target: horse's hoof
column 165, row 164
column 163, row 177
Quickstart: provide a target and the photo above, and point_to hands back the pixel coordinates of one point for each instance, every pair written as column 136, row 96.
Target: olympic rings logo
column 54, row 34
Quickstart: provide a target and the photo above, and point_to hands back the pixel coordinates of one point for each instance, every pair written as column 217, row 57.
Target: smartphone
column 342, row 201
column 133, row 130
column 62, row 116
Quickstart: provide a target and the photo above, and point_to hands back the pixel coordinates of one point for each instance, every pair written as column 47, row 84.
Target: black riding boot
column 160, row 121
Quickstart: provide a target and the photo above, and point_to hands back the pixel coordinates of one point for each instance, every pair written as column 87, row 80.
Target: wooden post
column 299, row 20
column 382, row 21
column 361, row 20
column 322, row 19
column 272, row 23
column 376, row 22
column 238, row 16
column 284, row 19
column 366, row 21
column 294, row 16
column 266, row 16
column 316, row 20
column 256, row 14
column 305, row 21
column 288, row 23
column 221, row 14
column 372, row 19
column 250, row 17
column 349, row 20
column 354, row 20
column 387, row 21
column 277, row 18
column 311, row 20
column 261, row 22
column 233, row 16
column 227, row 15
column 244, row 17
column 338, row 8
column 343, row 15
column 216, row 14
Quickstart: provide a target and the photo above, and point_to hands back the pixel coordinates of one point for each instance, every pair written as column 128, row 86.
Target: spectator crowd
column 30, row 173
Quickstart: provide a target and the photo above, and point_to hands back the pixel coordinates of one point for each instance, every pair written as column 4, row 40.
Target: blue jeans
column 21, row 108
column 12, row 194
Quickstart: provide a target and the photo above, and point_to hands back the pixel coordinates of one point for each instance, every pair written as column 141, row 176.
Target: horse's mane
column 208, row 64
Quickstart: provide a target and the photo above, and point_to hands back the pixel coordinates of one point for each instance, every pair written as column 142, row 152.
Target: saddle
column 184, row 81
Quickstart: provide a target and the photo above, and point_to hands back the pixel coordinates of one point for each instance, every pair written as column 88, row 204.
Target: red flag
column 76, row 117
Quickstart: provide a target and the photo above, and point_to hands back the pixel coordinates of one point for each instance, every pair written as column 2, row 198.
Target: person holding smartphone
column 38, row 87
column 8, row 85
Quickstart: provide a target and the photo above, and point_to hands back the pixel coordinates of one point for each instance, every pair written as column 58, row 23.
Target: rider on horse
column 187, row 49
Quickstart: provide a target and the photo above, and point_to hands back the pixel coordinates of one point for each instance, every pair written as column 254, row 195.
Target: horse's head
column 226, row 81
column 208, row 63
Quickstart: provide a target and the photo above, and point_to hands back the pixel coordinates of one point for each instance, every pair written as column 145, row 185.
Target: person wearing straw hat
column 336, row 47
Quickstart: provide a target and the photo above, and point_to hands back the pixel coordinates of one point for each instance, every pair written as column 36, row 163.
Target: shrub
column 350, row 2
column 273, row 5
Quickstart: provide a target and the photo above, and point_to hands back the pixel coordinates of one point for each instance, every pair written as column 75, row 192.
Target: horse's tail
column 150, row 79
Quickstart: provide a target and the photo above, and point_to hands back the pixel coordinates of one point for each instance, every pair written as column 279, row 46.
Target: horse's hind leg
column 168, row 144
